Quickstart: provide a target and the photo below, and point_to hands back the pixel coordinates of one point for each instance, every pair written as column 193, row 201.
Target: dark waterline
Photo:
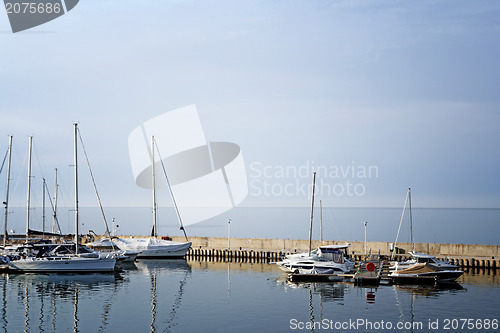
column 193, row 296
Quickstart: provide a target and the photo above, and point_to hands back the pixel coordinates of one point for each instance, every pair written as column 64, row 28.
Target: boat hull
column 154, row 248
column 63, row 264
column 432, row 277
column 164, row 253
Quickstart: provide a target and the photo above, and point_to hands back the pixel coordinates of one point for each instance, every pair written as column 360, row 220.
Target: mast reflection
column 169, row 273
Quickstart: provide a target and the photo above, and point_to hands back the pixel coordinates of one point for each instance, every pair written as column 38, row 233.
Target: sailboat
column 328, row 259
column 42, row 258
column 150, row 247
column 421, row 265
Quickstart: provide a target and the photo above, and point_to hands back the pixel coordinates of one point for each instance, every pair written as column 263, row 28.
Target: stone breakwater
column 268, row 249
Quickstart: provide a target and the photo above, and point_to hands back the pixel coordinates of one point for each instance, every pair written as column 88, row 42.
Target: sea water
column 436, row 225
column 216, row 296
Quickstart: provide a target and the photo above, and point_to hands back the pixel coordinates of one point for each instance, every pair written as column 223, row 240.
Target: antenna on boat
column 6, row 202
column 312, row 213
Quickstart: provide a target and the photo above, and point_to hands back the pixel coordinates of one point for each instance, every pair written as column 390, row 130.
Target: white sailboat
column 36, row 260
column 418, row 257
column 150, row 247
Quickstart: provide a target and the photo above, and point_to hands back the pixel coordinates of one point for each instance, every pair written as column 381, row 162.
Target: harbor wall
column 357, row 247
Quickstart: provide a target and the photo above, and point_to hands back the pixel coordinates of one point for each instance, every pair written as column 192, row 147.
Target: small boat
column 154, row 246
column 145, row 247
column 329, row 259
column 423, row 258
column 424, row 273
column 417, row 257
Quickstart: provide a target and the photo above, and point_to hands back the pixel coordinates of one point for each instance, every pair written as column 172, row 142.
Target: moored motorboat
column 329, row 259
column 423, row 258
column 424, row 273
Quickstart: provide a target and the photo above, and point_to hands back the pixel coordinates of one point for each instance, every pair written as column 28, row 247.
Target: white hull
column 63, row 264
column 329, row 259
column 154, row 248
column 423, row 258
column 439, row 276
column 314, row 267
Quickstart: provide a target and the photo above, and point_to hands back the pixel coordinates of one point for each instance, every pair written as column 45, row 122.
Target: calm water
column 201, row 296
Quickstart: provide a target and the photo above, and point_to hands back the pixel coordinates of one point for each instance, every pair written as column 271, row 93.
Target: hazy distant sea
column 436, row 225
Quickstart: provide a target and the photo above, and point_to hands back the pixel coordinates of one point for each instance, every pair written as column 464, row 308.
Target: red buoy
column 370, row 267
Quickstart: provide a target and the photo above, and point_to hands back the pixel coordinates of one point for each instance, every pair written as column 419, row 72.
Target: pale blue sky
column 409, row 87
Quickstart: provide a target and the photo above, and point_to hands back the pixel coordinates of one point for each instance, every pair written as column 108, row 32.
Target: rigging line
column 21, row 171
column 95, row 189
column 53, row 208
column 171, row 193
column 177, row 303
column 4, row 159
column 400, row 222
column 37, row 156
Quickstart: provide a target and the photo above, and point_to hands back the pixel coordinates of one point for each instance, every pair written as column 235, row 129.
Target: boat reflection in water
column 327, row 292
column 143, row 297
column 430, row 291
column 39, row 302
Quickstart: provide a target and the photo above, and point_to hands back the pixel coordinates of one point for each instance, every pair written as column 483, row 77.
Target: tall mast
column 29, row 189
column 6, row 202
column 312, row 212
column 54, row 223
column 411, row 221
column 171, row 192
column 155, row 230
column 43, row 208
column 321, row 219
column 76, row 186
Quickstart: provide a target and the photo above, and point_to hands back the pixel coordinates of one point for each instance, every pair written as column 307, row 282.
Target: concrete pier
column 269, row 249
column 246, row 255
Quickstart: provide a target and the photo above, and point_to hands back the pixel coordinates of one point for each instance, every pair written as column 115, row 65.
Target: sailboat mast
column 171, row 193
column 154, row 185
column 411, row 221
column 43, row 208
column 321, row 219
column 76, row 185
column 6, row 202
column 312, row 213
column 54, row 223
column 29, row 188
